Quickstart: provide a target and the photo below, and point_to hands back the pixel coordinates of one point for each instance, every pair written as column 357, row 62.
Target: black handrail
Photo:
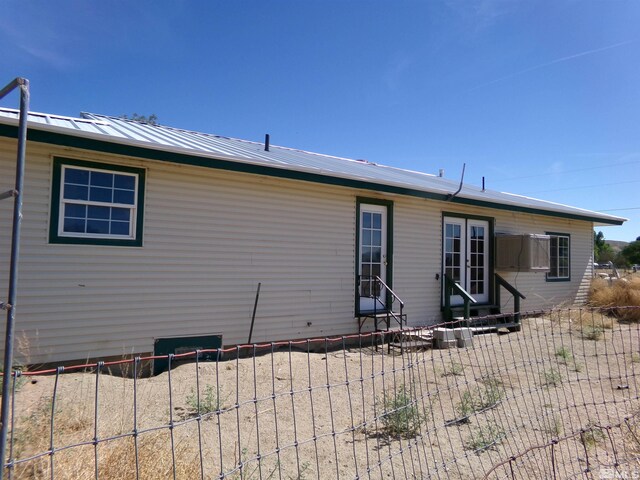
column 501, row 282
column 391, row 297
column 452, row 287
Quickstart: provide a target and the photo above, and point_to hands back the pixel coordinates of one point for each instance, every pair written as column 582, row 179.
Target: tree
column 602, row 251
column 631, row 253
column 151, row 119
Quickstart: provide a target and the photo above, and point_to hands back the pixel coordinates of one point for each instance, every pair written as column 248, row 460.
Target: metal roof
column 204, row 145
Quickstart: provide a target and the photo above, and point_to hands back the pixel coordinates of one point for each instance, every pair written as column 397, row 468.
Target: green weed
column 455, row 369
column 485, row 437
column 551, row 378
column 207, row 403
column 401, row 417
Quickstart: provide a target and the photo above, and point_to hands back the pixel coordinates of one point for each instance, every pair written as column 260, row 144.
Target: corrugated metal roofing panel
column 161, row 137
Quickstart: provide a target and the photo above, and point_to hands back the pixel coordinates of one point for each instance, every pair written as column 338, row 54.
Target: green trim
column 559, row 279
column 389, row 270
column 55, row 238
column 185, row 159
column 491, row 246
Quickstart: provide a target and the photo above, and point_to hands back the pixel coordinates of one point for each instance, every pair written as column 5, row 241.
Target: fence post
column 23, row 85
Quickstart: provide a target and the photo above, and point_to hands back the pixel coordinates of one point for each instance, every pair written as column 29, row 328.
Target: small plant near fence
column 402, row 416
column 551, row 378
column 208, row 402
column 591, row 436
column 593, row 333
column 565, row 357
column 482, row 398
column 455, row 369
column 483, row 438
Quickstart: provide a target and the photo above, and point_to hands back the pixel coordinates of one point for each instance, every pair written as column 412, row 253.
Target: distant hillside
column 617, row 245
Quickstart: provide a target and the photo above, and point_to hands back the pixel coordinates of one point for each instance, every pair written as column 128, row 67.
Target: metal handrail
column 451, row 285
column 391, row 295
column 501, row 282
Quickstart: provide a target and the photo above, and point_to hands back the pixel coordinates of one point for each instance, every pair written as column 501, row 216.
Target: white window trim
column 555, row 276
column 132, row 208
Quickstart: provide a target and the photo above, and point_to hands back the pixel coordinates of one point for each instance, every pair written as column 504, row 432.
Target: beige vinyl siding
column 540, row 293
column 209, row 237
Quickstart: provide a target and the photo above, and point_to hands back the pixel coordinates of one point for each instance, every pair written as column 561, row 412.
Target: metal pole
column 253, row 317
column 23, row 84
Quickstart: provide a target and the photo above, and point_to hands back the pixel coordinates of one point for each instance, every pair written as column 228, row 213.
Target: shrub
column 207, row 403
column 482, row 398
column 401, row 417
column 485, row 437
column 564, row 354
column 592, row 333
column 551, row 378
column 591, row 436
column 618, row 293
column 455, row 369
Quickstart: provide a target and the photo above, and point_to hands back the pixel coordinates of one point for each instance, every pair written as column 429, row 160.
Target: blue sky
column 542, row 98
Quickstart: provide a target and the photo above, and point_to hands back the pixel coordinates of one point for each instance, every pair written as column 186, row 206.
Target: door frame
column 360, row 201
column 490, row 251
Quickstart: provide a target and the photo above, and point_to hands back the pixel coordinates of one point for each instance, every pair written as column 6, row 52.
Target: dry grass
column 617, row 294
column 116, row 458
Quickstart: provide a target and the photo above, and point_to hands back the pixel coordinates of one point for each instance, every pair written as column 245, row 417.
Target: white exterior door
column 372, row 258
column 465, row 256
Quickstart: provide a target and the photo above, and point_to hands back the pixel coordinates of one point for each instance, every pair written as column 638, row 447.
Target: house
column 133, row 233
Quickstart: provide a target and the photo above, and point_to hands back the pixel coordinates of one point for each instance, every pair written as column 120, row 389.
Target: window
column 559, row 257
column 94, row 203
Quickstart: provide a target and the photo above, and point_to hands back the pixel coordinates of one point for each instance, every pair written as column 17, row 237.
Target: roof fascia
column 85, row 142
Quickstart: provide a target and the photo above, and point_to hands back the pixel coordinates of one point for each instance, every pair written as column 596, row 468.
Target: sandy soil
column 458, row 413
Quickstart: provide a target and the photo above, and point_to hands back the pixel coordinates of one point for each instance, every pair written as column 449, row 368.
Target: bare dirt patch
column 352, row 412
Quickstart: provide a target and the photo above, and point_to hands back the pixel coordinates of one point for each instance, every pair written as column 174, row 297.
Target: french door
column 372, row 258
column 465, row 256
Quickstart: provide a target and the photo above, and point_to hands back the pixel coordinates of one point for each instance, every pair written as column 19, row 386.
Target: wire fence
column 559, row 399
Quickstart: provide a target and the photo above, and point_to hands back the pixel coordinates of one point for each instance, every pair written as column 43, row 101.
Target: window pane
column 73, row 175
column 366, row 237
column 97, row 226
column 366, row 254
column 366, row 220
column 74, row 210
column 124, row 196
column 375, row 270
column 376, row 254
column 101, row 194
column 120, row 214
column 377, row 220
column 74, row 225
column 377, row 238
column 74, row 192
column 99, row 212
column 126, row 182
column 102, row 179
column 120, row 228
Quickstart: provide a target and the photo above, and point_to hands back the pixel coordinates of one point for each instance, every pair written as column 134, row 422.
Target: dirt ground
column 558, row 398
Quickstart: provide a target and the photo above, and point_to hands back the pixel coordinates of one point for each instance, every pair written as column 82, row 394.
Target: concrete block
column 444, row 344
column 443, row 334
column 462, row 333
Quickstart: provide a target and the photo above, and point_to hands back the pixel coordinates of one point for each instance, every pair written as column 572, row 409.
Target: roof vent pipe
column 451, row 195
column 441, row 172
column 266, row 142
column 483, row 184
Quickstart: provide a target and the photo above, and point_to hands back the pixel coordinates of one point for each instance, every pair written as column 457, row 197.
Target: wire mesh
column 559, row 399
